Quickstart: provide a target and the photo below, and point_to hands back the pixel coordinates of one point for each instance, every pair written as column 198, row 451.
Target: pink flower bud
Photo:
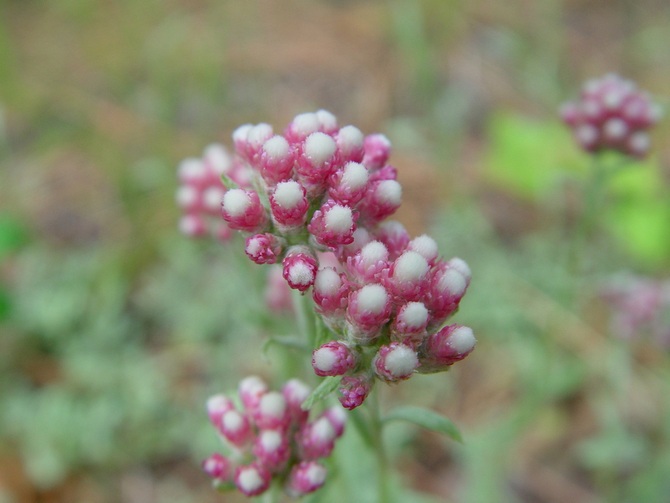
column 447, row 287
column 446, row 347
column 377, row 151
column 289, row 204
column 425, row 246
column 333, row 225
column 242, row 210
column 408, row 276
column 263, row 248
column 218, row 467
column 302, row 126
column 235, row 428
column 381, row 200
column 370, row 263
column 348, row 184
column 395, row 362
column 272, row 411
column 327, row 121
column 350, row 144
column 338, row 418
column 276, row 160
column 295, row 392
column 253, row 479
column 409, row 325
column 251, row 389
column 305, row 478
column 334, row 358
column 361, row 238
column 317, row 439
column 330, row 292
column 217, row 406
column 394, row 236
column 316, row 161
column 369, row 308
column 354, row 390
column 272, row 449
column 192, row 226
column 300, row 268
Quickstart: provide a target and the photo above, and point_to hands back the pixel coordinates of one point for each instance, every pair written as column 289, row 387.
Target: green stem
column 377, row 430
column 304, row 311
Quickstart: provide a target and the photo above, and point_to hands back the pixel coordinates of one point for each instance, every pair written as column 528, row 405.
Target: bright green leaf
column 425, row 418
column 327, row 386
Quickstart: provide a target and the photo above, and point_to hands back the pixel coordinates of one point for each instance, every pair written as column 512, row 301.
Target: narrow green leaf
column 425, row 418
column 327, row 386
column 288, row 342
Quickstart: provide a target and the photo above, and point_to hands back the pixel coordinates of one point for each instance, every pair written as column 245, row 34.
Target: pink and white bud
column 300, row 268
column 253, row 479
column 409, row 325
column 217, row 406
column 446, row 347
column 361, row 238
column 370, row 263
column 354, row 390
column 272, row 449
column 263, row 248
column 327, row 121
column 348, row 184
column 276, row 160
column 333, row 358
column 240, row 139
column 368, row 309
column 316, row 160
column 330, row 292
column 256, row 138
column 638, row 144
column 333, row 224
column 295, row 392
column 302, row 126
column 217, row 159
column 219, row 467
column 350, row 144
column 242, row 210
column 377, row 149
column 394, row 236
column 395, row 362
column 446, row 289
column 425, row 246
column 235, row 428
column 338, row 418
column 192, row 226
column 250, row 390
column 289, row 204
column 408, row 276
column 381, row 200
column 272, row 411
column 305, row 478
column 316, row 439
column 461, row 266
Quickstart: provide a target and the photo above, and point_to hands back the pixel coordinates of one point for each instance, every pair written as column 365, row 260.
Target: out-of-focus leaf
column 12, row 235
column 327, row 386
column 425, row 418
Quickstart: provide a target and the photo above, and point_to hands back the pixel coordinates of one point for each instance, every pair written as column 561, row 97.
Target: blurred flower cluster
column 316, row 199
column 640, row 306
column 269, row 437
column 612, row 114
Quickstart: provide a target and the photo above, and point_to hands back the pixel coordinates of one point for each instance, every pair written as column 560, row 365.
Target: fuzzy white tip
column 305, row 123
column 372, row 298
column 326, row 119
column 232, row 421
column 254, row 247
column 389, row 192
column 259, row 134
column 462, row 340
column 401, row 361
column 288, row 194
column 613, row 99
column 414, row 314
column 361, row 238
column 212, row 197
column 190, row 225
column 319, row 148
column 270, row 440
column 236, row 202
column 339, row 219
column 218, row 157
column 461, row 266
column 586, row 134
column 276, row 148
column 615, row 129
column 410, row 266
column 190, row 169
column 452, row 282
column 350, row 138
column 374, row 252
column 323, row 429
column 324, row 359
column 639, row 142
column 316, row 474
column 355, row 175
column 297, row 390
column 242, row 133
column 272, row 404
column 300, row 274
column 425, row 246
column 249, row 479
column 252, row 384
column 186, row 196
column 327, row 281
column 592, row 108
column 217, row 403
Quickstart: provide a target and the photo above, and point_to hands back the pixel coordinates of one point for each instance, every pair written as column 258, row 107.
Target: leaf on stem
column 425, row 418
column 288, row 342
column 325, row 388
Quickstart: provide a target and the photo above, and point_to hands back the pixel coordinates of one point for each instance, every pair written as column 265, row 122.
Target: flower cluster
column 271, row 438
column 612, row 114
column 315, row 200
column 639, row 306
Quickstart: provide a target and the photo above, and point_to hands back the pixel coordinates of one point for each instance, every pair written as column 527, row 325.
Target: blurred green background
column 115, row 328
